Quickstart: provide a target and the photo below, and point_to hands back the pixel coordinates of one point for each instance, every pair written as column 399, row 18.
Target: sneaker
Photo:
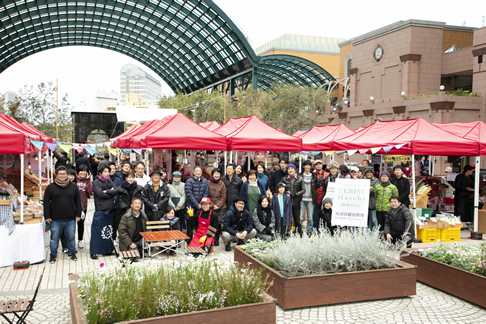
column 64, row 250
column 227, row 247
column 80, row 244
column 241, row 242
column 52, row 259
column 73, row 257
column 94, row 257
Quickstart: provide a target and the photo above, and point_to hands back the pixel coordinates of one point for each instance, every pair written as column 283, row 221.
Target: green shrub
column 464, row 257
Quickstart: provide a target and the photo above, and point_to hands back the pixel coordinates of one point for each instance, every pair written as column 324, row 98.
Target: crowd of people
column 239, row 205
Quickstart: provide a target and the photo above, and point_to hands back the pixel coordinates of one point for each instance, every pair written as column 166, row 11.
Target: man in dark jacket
column 233, row 184
column 464, row 187
column 155, row 196
column 399, row 223
column 293, row 182
column 61, row 159
column 83, row 160
column 402, row 184
column 278, row 175
column 104, row 162
column 133, row 222
column 196, row 188
column 62, row 209
column 238, row 224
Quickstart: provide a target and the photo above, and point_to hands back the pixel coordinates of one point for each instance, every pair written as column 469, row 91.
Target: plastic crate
column 427, row 211
column 428, row 235
column 450, row 234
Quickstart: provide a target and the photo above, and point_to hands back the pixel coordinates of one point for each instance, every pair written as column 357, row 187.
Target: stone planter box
column 265, row 312
column 298, row 292
column 460, row 283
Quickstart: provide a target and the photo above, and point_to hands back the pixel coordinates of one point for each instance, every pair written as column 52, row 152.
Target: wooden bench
column 129, row 254
column 20, row 307
column 151, row 225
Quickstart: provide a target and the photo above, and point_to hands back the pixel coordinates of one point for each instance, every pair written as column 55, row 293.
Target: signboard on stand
column 350, row 202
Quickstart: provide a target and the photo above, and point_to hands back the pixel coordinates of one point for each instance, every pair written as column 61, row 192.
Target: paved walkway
column 52, row 306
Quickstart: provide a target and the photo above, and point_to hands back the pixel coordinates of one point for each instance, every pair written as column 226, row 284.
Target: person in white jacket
column 178, row 197
column 140, row 177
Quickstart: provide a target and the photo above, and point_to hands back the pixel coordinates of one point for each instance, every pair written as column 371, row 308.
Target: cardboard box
column 482, row 220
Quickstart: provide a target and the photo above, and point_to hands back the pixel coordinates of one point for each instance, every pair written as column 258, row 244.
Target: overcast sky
column 84, row 70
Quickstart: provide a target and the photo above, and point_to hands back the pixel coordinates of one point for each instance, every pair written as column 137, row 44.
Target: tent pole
column 271, row 158
column 146, row 163
column 225, row 163
column 52, row 167
column 432, row 165
column 249, row 159
column 231, row 158
column 300, row 162
column 39, row 157
column 476, row 193
column 265, row 168
column 413, row 194
column 21, row 202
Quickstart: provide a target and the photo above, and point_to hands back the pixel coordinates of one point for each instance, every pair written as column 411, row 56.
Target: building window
column 480, row 59
column 347, row 64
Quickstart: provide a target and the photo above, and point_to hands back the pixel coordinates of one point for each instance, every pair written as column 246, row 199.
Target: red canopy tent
column 14, row 142
column 413, row 136
column 231, row 125
column 475, row 131
column 11, row 123
column 255, row 135
column 44, row 137
column 181, row 133
column 210, row 125
column 127, row 132
column 134, row 139
column 299, row 133
column 319, row 138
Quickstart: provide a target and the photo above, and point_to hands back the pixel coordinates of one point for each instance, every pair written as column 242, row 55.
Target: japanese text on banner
column 350, row 203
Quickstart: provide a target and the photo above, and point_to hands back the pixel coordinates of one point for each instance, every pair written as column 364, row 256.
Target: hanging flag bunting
column 138, row 151
column 113, row 151
column 51, row 146
column 375, row 149
column 90, row 150
column 352, row 152
column 37, row 144
column 363, row 151
column 65, row 147
column 79, row 149
column 388, row 148
column 329, row 152
column 399, row 146
column 126, row 151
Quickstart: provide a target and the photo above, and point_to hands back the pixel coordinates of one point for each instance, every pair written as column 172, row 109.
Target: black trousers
column 296, row 217
column 461, row 207
column 380, row 217
column 81, row 228
column 396, row 237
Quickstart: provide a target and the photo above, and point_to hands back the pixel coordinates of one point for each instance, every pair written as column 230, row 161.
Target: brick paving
column 52, row 306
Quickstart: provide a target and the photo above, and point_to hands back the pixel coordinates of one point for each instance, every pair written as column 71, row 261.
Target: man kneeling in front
column 398, row 223
column 238, row 224
column 133, row 222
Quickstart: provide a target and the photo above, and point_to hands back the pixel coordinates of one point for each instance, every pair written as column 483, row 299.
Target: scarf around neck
column 103, row 179
column 386, row 183
column 268, row 213
column 213, row 180
column 129, row 187
column 62, row 183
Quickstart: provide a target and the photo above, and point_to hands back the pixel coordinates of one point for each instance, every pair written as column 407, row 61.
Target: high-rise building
column 134, row 80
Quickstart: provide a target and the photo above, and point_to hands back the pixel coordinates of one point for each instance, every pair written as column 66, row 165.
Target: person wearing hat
column 324, row 218
column 450, row 176
column 238, row 224
column 320, row 176
column 282, row 209
column 155, row 196
column 195, row 189
column 383, row 191
column 200, row 222
column 353, row 172
column 402, row 184
column 334, row 174
column 178, row 197
column 217, row 194
column 370, row 174
column 464, row 188
column 294, row 184
column 309, row 198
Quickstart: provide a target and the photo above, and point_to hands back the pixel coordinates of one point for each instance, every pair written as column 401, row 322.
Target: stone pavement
column 52, row 305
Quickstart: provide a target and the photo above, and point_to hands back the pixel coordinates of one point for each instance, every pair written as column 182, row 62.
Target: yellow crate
column 450, row 234
column 428, row 235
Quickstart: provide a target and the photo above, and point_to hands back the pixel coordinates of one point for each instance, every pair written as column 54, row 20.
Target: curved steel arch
column 280, row 69
column 190, row 44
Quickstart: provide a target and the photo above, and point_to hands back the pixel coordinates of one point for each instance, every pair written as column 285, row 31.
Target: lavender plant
column 166, row 288
column 322, row 253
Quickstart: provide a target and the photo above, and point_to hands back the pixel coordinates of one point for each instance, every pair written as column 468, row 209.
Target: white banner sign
column 350, row 202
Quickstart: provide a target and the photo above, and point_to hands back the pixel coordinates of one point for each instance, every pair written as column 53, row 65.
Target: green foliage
column 460, row 92
column 167, row 288
column 321, row 253
column 480, row 267
column 464, row 257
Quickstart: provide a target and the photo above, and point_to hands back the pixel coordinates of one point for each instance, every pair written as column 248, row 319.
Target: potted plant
column 324, row 269
column 170, row 292
column 459, row 270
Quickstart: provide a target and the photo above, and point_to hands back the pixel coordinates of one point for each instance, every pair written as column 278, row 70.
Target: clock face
column 378, row 53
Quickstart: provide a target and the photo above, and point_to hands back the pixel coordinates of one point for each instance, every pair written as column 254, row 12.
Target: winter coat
column 324, row 217
column 177, row 191
column 276, row 178
column 383, row 195
column 373, row 182
column 124, row 197
column 233, row 188
column 84, row 161
column 61, row 204
column 263, row 179
column 104, row 200
column 195, row 190
column 328, row 179
column 85, row 188
column 296, row 188
column 117, row 181
column 61, row 160
column 258, row 225
column 319, row 186
column 287, row 214
column 150, row 199
column 244, row 191
column 399, row 221
column 143, row 180
column 461, row 183
column 403, row 186
column 236, row 221
column 314, row 186
column 217, row 194
column 127, row 226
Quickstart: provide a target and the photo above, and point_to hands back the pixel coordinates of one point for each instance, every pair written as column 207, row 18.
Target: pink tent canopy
column 44, row 137
column 14, row 142
column 134, row 139
column 13, row 124
column 127, row 132
column 210, row 125
column 299, row 133
column 255, row 135
column 231, row 125
column 413, row 136
column 475, row 131
column 181, row 133
column 319, row 138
